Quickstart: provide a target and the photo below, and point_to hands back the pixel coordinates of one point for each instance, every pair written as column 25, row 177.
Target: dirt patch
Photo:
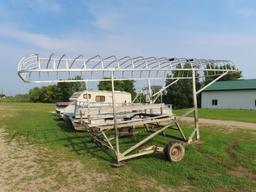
column 30, row 168
column 239, row 170
column 26, row 167
column 223, row 123
column 150, row 184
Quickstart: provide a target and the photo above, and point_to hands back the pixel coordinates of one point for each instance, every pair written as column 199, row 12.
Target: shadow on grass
column 80, row 143
column 57, row 133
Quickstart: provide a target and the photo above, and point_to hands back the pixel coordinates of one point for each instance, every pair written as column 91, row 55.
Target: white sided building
column 238, row 94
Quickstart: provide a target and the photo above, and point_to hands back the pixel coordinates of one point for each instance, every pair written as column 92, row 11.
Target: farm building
column 239, row 94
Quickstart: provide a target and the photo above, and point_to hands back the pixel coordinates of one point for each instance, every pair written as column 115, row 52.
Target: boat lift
column 105, row 125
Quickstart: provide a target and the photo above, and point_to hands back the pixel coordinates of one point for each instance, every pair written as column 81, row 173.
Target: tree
column 180, row 94
column 124, row 85
column 64, row 90
column 211, row 75
column 60, row 92
column 34, row 94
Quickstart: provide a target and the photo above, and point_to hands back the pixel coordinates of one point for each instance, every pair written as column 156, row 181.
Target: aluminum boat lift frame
column 33, row 68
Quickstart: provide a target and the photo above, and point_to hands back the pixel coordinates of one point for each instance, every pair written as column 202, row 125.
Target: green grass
column 210, row 166
column 225, row 114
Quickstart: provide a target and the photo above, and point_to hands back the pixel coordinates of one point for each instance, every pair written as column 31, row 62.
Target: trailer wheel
column 174, row 151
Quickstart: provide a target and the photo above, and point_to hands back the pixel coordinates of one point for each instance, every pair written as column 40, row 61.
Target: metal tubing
column 163, row 88
column 108, row 141
column 180, row 130
column 203, row 88
column 75, row 60
column 195, row 106
column 122, row 158
column 127, row 68
column 121, row 69
column 94, row 80
column 115, row 120
column 60, row 60
column 149, row 91
column 145, row 140
column 185, row 114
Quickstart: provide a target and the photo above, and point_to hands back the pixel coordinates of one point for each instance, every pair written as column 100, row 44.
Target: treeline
column 125, row 85
column 53, row 93
column 62, row 91
column 17, row 98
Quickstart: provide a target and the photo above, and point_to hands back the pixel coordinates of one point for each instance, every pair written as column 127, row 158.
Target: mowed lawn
column 225, row 161
column 224, row 114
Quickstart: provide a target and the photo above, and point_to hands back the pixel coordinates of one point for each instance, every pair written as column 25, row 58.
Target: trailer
column 90, row 99
column 109, row 125
column 94, row 98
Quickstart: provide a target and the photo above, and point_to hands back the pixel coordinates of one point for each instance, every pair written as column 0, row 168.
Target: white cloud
column 238, row 47
column 226, row 39
column 74, row 43
column 10, row 83
column 246, row 11
column 3, row 11
column 242, row 8
column 39, row 40
column 105, row 16
column 106, row 21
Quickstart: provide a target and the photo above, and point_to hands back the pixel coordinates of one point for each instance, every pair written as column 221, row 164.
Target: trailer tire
column 174, row 151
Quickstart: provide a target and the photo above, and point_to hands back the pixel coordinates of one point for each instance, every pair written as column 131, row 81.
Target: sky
column 215, row 29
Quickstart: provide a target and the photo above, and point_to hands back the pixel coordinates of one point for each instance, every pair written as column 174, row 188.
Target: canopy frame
column 36, row 69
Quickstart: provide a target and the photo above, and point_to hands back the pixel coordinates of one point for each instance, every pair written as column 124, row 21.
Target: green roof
column 244, row 84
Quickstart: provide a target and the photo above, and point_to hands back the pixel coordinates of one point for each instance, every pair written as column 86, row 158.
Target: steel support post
column 114, row 114
column 196, row 123
column 150, row 91
column 87, row 98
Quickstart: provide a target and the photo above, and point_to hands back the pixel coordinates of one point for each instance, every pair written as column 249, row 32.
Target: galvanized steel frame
column 127, row 68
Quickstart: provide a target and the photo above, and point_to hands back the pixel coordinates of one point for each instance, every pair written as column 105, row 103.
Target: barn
column 238, row 94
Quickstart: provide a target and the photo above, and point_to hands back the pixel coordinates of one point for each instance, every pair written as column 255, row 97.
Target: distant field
column 226, row 161
column 225, row 114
